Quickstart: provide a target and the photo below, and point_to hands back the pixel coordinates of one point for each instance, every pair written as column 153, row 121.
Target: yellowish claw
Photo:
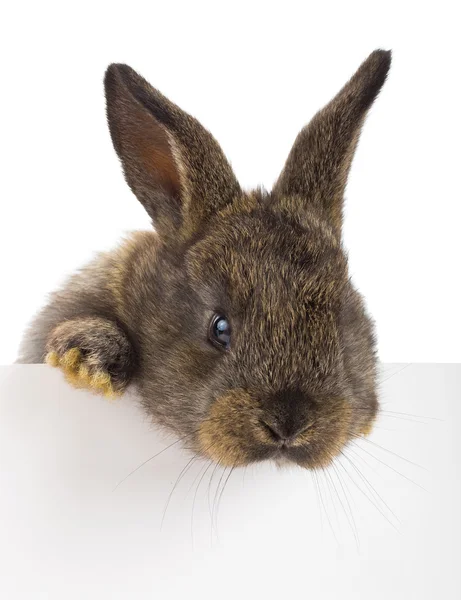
column 78, row 374
column 52, row 359
column 71, row 359
column 102, row 381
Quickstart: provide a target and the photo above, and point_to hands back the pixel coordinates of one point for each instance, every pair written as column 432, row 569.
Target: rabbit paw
column 93, row 353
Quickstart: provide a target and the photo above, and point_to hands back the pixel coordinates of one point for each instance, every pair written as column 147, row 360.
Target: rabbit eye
column 220, row 332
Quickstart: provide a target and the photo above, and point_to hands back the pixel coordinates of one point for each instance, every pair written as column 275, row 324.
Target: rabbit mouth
column 238, row 432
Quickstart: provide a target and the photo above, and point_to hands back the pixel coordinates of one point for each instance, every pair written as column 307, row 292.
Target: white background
column 253, row 73
column 75, row 524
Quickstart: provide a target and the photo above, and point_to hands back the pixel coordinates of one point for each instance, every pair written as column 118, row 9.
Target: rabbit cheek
column 367, row 427
column 328, row 436
column 231, row 433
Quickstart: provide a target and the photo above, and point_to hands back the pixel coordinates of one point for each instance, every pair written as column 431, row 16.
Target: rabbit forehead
column 266, row 255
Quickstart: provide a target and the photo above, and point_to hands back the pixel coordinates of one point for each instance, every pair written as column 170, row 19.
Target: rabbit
column 235, row 319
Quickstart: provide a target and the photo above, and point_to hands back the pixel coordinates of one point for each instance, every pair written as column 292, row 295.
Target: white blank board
column 360, row 530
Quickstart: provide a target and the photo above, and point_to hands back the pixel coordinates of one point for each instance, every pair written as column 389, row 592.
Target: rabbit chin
column 234, row 434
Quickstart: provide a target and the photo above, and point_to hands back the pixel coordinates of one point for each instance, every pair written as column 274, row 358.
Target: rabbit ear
column 318, row 165
column 173, row 165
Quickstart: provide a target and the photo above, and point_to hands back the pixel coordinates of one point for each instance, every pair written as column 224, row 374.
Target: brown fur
column 299, row 378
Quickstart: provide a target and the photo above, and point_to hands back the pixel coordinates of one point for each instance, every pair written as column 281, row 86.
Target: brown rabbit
column 236, row 319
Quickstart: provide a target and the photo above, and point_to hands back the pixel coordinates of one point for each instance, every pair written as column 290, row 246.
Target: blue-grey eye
column 220, row 331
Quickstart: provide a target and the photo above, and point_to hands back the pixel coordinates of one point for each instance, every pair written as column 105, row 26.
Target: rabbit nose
column 286, row 415
column 283, row 433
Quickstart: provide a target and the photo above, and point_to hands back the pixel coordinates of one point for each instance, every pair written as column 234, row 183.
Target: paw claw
column 71, row 359
column 102, row 381
column 72, row 378
column 52, row 359
column 78, row 374
column 110, row 393
column 83, row 375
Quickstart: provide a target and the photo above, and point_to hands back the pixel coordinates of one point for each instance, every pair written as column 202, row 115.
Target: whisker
column 196, row 477
column 200, row 457
column 213, row 513
column 210, row 481
column 393, row 412
column 368, row 441
column 183, row 472
column 210, row 462
column 315, row 479
column 411, row 420
column 327, row 515
column 387, row 429
column 328, row 478
column 181, row 439
column 394, row 374
column 222, row 492
column 367, row 497
column 149, row 459
column 383, row 371
column 370, row 486
column 392, row 468
column 387, row 414
column 352, row 521
column 360, row 458
column 244, row 475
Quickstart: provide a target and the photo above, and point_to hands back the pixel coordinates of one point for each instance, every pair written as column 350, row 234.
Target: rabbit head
column 252, row 342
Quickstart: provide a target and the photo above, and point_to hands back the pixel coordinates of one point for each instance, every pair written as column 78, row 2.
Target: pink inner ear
column 150, row 150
